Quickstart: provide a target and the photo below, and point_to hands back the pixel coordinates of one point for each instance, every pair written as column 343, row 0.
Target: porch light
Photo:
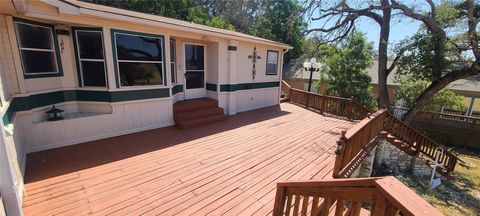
column 311, row 66
column 54, row 114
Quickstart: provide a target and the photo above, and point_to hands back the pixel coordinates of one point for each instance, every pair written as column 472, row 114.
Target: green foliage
column 411, row 88
column 281, row 22
column 420, row 60
column 200, row 16
column 344, row 69
column 278, row 20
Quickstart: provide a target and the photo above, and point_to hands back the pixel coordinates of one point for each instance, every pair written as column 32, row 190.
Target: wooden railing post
column 339, row 155
column 350, row 109
column 322, row 104
column 307, row 100
column 280, row 198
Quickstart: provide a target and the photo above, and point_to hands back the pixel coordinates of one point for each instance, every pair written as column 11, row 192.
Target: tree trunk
column 384, row 100
column 438, row 85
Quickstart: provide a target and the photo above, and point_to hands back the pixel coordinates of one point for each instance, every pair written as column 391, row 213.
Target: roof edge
column 67, row 7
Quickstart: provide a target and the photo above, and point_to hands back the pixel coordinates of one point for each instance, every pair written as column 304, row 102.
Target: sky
column 398, row 30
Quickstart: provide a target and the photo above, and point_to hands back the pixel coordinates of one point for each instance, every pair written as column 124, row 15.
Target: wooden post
column 290, row 94
column 307, row 100
column 337, row 167
column 350, row 109
column 279, row 201
column 322, row 105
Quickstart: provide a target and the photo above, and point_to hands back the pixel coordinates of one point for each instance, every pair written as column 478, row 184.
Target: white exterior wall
column 28, row 132
column 256, row 98
column 244, row 64
column 126, row 117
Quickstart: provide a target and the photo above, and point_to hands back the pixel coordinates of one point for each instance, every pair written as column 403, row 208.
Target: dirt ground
column 459, row 195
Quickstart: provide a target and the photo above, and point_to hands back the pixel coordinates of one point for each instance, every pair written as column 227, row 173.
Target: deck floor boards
column 227, row 168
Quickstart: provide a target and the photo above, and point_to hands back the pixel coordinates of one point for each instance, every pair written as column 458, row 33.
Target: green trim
column 46, row 99
column 211, row 87
column 177, row 89
column 266, row 63
column 77, row 58
column 232, row 48
column 55, row 44
column 115, row 57
column 247, row 86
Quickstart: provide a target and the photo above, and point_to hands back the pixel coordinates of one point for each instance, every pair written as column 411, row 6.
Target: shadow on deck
column 228, row 168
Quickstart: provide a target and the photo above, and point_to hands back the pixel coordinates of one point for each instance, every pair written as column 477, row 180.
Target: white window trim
column 272, row 62
column 91, row 60
column 174, row 72
column 36, row 49
column 136, row 61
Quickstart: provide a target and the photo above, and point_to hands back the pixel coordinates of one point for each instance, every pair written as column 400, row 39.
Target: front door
column 194, row 71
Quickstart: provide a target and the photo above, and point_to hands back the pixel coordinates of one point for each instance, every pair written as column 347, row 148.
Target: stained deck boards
column 227, row 168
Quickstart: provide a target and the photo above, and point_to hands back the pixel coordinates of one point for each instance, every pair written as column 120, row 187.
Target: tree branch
column 472, row 32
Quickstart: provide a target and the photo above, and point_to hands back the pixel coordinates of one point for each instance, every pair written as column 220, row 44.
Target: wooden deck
column 227, row 168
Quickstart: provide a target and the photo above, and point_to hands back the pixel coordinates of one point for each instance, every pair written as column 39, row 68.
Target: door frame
column 198, row 92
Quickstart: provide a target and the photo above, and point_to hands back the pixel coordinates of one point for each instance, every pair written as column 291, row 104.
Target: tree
column 339, row 21
column 281, row 21
column 344, row 69
column 278, row 20
column 434, row 49
column 411, row 87
column 432, row 46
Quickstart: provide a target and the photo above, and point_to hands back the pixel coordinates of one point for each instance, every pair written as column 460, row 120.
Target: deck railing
column 383, row 196
column 356, row 143
column 419, row 142
column 329, row 104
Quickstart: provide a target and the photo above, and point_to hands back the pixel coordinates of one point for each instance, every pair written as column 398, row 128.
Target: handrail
column 356, row 143
column 419, row 142
column 334, row 105
column 387, row 195
column 286, row 89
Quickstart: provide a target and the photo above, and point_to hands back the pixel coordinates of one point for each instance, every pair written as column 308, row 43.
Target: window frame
column 79, row 60
column 116, row 61
column 174, row 72
column 55, row 49
column 276, row 63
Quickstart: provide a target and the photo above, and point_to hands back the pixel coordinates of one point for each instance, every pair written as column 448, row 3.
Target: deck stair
column 197, row 112
column 384, row 196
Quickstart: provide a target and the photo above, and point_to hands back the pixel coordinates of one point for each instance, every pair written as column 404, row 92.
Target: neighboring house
column 468, row 88
column 114, row 72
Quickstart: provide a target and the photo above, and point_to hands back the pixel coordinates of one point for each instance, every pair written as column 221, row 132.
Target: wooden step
column 189, row 123
column 194, row 105
column 199, row 113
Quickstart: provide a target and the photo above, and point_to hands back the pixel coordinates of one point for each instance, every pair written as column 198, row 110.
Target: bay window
column 90, row 57
column 139, row 59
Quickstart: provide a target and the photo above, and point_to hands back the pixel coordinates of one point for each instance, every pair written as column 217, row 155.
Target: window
column 173, row 60
column 272, row 62
column 90, row 57
column 38, row 49
column 139, row 59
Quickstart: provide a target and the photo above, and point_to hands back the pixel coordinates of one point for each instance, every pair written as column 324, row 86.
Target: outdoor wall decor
column 254, row 58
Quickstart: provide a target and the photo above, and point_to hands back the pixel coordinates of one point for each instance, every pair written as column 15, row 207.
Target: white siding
column 257, row 98
column 125, row 118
